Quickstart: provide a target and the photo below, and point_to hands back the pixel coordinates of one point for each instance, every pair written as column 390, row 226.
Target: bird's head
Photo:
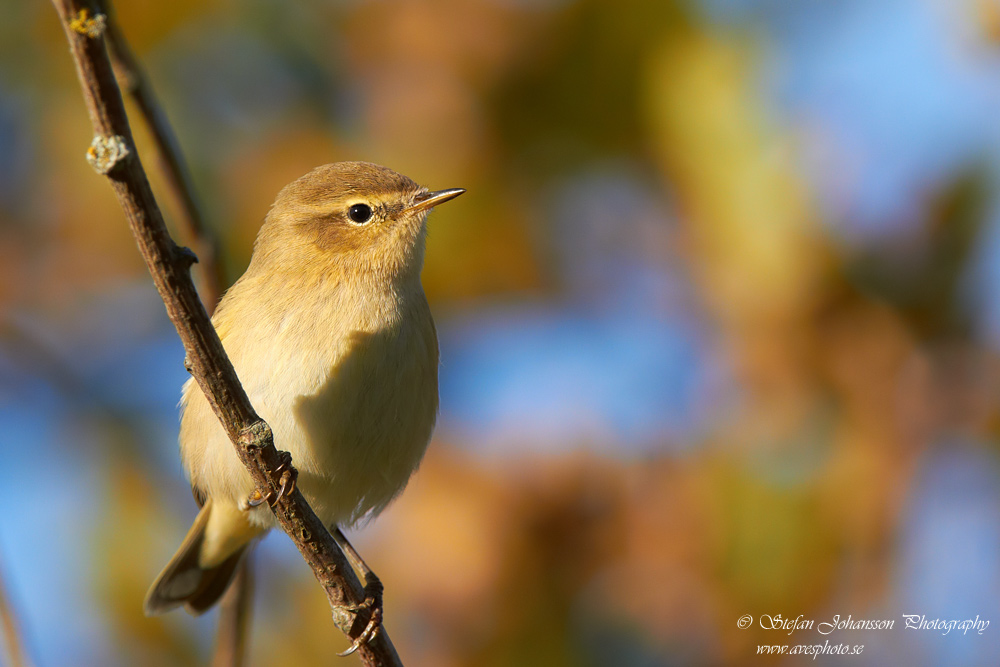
column 354, row 217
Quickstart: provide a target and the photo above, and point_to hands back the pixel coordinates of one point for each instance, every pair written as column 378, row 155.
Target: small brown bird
column 332, row 338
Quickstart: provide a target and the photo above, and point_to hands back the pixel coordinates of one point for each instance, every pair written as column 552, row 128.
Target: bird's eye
column 360, row 213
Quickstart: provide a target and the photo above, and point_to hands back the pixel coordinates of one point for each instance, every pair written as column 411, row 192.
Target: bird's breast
column 349, row 387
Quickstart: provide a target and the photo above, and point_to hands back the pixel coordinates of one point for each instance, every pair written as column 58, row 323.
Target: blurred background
column 718, row 321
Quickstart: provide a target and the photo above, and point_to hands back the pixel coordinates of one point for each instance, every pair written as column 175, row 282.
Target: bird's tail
column 205, row 563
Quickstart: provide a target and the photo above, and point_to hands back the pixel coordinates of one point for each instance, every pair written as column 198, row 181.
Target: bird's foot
column 371, row 604
column 373, row 593
column 289, row 475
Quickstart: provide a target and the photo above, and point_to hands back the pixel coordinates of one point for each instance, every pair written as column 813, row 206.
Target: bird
column 333, row 340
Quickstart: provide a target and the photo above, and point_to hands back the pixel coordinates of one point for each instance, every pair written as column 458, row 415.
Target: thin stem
column 231, row 637
column 234, row 618
column 133, row 80
column 17, row 656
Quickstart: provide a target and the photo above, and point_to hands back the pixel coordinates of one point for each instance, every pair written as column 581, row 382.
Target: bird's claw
column 289, row 475
column 373, row 602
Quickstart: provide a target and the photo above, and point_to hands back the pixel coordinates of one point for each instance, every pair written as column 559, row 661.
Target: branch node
column 253, row 437
column 90, row 26
column 185, row 256
column 106, row 153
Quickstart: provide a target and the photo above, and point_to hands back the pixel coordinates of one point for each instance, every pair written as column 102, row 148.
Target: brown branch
column 231, row 636
column 134, row 81
column 113, row 153
column 234, row 617
column 17, row 656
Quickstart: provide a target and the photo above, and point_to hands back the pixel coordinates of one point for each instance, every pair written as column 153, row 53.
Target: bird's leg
column 289, row 475
column 373, row 593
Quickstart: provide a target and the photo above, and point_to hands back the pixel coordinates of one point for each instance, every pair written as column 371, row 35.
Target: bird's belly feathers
column 356, row 413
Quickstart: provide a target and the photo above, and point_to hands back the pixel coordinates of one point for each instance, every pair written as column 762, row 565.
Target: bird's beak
column 428, row 200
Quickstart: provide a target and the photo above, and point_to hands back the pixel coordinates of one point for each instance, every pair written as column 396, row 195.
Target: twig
column 234, row 617
column 134, row 81
column 113, row 153
column 16, row 654
column 231, row 635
